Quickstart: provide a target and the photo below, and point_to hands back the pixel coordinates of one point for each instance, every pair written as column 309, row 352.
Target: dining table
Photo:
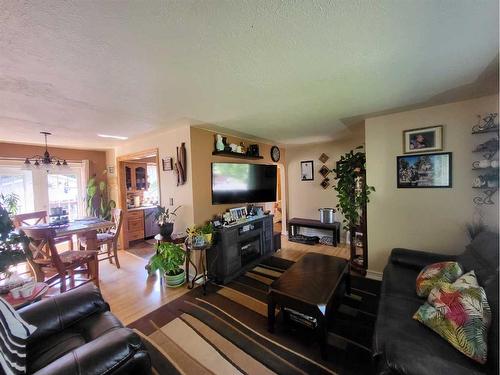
column 87, row 227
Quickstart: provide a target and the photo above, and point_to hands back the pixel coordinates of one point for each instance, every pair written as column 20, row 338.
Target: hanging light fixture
column 46, row 160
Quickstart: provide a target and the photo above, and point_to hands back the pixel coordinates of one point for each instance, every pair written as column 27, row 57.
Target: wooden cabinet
column 135, row 225
column 136, row 177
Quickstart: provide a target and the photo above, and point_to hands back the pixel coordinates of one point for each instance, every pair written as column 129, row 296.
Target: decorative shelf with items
column 487, row 181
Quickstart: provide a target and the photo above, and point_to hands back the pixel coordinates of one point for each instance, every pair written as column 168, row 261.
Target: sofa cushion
column 404, row 346
column 399, row 281
column 460, row 314
column 435, row 274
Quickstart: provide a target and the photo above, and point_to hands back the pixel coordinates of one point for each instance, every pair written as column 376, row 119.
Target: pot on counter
column 327, row 215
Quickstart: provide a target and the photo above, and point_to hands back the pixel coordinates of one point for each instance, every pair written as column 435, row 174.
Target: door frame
column 123, row 242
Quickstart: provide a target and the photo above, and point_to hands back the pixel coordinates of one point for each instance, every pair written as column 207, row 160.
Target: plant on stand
column 169, row 259
column 165, row 219
column 352, row 192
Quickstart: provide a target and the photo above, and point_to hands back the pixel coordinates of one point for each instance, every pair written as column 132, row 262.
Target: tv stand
column 239, row 247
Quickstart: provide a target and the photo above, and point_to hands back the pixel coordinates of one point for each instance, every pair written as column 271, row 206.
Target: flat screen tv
column 243, row 183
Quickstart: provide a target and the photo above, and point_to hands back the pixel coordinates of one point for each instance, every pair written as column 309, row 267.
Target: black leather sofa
column 402, row 345
column 77, row 334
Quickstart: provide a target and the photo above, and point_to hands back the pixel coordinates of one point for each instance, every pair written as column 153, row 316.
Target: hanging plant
column 352, row 193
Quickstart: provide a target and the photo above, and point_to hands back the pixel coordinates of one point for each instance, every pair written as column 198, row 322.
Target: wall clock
column 275, row 154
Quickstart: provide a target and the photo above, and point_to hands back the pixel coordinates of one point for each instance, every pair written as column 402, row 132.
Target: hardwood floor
column 132, row 294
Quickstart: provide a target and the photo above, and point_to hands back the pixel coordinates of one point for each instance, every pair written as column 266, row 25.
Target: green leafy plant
column 12, row 243
column 208, row 228
column 10, row 202
column 98, row 205
column 164, row 215
column 352, row 195
column 169, row 258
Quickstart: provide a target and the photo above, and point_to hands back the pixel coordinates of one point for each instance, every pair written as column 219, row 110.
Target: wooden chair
column 39, row 217
column 109, row 239
column 51, row 267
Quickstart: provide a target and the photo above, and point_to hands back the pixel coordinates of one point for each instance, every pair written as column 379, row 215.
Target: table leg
column 335, row 239
column 271, row 307
column 323, row 335
column 188, row 254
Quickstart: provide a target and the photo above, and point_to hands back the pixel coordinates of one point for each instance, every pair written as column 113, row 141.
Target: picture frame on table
column 420, row 140
column 307, row 170
column 424, row 171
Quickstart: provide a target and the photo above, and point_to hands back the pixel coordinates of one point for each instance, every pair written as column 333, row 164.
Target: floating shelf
column 485, row 187
column 489, row 169
column 490, row 130
column 231, row 154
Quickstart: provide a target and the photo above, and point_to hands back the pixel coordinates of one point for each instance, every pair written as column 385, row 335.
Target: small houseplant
column 207, row 231
column 165, row 219
column 168, row 259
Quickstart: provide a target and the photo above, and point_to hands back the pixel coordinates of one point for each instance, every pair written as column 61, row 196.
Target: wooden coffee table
column 309, row 287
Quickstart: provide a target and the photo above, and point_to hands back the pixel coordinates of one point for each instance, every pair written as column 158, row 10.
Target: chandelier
column 46, row 160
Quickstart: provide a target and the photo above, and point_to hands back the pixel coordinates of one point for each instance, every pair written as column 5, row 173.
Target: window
column 14, row 180
column 63, row 191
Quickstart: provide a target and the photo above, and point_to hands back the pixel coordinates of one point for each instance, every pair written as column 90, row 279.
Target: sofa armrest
column 120, row 351
column 54, row 314
column 417, row 259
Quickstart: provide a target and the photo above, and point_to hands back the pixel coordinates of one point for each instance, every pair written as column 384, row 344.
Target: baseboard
column 375, row 275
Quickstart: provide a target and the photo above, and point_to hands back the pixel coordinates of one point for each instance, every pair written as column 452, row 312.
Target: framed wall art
column 423, row 139
column 424, row 171
column 307, row 170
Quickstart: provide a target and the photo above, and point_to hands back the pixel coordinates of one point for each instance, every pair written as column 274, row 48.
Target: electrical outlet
column 171, row 201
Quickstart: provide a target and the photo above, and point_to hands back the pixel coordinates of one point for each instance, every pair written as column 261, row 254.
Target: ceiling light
column 112, row 136
column 46, row 160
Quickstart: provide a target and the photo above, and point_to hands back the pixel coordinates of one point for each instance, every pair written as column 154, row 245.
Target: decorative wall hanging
column 275, row 154
column 180, row 164
column 324, row 171
column 486, row 124
column 424, row 171
column 423, row 139
column 167, row 164
column 307, row 170
column 325, row 183
column 323, row 158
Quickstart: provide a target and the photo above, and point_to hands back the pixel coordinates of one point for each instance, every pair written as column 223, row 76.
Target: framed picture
column 325, row 183
column 307, row 170
column 167, row 164
column 424, row 171
column 423, row 139
column 323, row 157
column 324, row 171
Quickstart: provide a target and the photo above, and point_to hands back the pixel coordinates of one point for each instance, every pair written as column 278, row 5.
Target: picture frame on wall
column 420, row 140
column 424, row 171
column 307, row 170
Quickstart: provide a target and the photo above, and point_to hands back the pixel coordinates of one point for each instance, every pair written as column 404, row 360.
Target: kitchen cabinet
column 136, row 177
column 135, row 225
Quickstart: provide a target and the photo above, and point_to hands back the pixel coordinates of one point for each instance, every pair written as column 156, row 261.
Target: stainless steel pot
column 327, row 215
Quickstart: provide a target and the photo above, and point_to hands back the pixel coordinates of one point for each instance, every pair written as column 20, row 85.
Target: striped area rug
column 225, row 332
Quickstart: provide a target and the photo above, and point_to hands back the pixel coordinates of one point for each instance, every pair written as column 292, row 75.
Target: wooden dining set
column 96, row 240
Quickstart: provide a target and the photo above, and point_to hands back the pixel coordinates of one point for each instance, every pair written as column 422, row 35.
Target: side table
column 203, row 270
column 39, row 291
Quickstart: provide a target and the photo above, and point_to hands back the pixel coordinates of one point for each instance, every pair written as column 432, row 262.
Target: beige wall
column 167, row 141
column 97, row 159
column 306, row 197
column 427, row 219
column 202, row 143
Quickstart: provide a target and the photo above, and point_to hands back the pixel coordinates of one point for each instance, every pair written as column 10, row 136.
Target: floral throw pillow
column 434, row 274
column 459, row 313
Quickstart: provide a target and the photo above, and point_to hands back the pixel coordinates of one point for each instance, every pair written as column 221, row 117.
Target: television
column 243, row 183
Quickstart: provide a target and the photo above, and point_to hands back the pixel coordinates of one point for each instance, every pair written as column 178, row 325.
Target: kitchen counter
column 140, row 208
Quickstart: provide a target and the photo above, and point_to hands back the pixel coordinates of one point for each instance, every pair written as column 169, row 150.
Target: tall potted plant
column 97, row 199
column 12, row 243
column 352, row 192
column 168, row 259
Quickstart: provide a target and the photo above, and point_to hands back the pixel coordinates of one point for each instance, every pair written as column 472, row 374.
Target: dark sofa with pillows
column 402, row 345
column 77, row 334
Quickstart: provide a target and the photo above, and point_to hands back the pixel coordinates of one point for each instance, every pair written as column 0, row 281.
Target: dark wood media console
column 239, row 247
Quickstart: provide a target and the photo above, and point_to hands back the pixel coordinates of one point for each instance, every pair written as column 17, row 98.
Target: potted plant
column 98, row 205
column 165, row 219
column 168, row 259
column 207, row 231
column 12, row 246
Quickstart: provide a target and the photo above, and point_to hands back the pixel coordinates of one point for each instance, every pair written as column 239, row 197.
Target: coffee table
column 38, row 293
column 310, row 287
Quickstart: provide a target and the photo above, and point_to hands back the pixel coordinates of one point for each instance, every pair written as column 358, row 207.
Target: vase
column 219, row 144
column 166, row 230
column 175, row 280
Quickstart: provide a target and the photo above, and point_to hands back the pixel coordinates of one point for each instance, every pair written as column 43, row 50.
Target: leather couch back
column 482, row 256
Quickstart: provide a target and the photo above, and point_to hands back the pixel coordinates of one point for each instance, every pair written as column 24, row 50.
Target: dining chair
column 39, row 217
column 107, row 242
column 52, row 267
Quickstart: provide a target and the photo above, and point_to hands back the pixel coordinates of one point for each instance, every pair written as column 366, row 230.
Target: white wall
column 426, row 219
column 167, row 141
column 306, row 197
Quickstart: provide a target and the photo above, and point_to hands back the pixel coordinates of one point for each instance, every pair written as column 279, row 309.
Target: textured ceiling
column 288, row 71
